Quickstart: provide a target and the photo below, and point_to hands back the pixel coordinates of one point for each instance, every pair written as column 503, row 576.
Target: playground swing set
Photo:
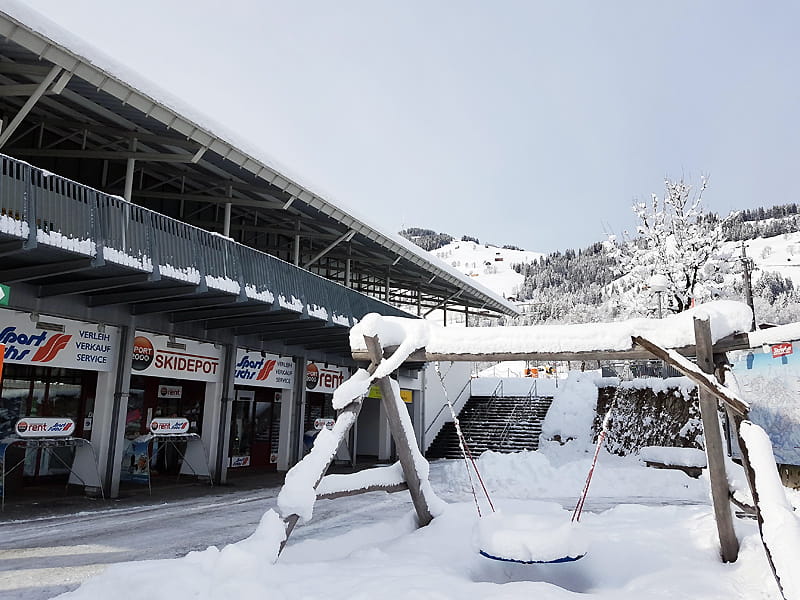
column 710, row 361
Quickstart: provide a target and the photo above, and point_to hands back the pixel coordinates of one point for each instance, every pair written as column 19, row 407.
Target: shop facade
column 51, row 369
column 170, row 378
column 263, row 383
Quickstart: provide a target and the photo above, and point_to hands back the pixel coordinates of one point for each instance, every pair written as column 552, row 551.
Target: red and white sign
column 240, row 461
column 263, row 370
column 779, row 350
column 171, row 426
column 155, row 356
column 75, row 345
column 324, row 378
column 170, row 391
column 40, row 427
column 324, row 424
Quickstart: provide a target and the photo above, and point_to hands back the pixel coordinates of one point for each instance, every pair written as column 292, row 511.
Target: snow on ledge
column 362, row 480
column 726, row 318
column 677, row 457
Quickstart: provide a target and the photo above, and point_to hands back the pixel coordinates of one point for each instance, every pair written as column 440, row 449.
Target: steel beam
column 140, row 295
column 31, row 272
column 90, row 285
column 29, row 104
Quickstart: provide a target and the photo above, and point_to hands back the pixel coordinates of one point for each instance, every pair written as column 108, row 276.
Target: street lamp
column 658, row 284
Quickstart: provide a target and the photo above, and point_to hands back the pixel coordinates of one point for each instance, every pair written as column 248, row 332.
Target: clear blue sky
column 528, row 123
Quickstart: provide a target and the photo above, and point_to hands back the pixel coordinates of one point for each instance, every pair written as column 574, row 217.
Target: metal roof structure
column 65, row 114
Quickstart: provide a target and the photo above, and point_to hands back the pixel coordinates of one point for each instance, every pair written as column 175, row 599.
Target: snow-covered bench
column 689, row 460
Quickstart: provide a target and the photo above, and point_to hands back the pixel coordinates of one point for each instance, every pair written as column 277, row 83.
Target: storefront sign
column 405, row 395
column 324, row 378
column 170, row 391
column 157, row 356
column 263, row 370
column 239, row 461
column 324, row 424
column 779, row 350
column 65, row 343
column 37, row 427
column 172, row 426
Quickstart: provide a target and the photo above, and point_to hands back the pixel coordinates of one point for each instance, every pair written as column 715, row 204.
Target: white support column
column 298, row 412
column 221, row 431
column 213, row 414
column 285, row 437
column 129, row 168
column 102, row 417
column 226, row 227
column 110, row 412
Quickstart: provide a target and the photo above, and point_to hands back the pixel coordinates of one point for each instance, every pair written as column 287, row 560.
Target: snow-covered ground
column 650, row 532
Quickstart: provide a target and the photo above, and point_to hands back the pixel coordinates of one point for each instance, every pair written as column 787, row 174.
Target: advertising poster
column 770, row 381
column 324, row 378
column 261, row 369
column 158, row 356
column 54, row 342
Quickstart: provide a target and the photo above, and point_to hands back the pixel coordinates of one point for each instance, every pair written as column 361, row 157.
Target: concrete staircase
column 498, row 423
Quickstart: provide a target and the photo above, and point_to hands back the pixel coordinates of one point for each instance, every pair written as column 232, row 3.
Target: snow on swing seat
column 547, row 536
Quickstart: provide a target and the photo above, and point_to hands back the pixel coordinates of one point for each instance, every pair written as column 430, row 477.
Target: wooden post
column 403, row 444
column 729, row 544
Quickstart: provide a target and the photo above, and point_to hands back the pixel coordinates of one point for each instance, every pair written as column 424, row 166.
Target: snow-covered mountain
column 488, row 264
column 778, row 254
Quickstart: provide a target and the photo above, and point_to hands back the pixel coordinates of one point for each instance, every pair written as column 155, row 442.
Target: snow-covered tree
column 678, row 240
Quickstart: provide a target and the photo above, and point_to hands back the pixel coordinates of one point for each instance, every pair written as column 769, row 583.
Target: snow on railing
column 42, row 208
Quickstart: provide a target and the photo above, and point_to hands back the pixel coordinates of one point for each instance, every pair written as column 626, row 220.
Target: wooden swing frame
column 708, row 373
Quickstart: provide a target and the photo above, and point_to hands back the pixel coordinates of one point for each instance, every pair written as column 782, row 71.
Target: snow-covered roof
column 51, row 42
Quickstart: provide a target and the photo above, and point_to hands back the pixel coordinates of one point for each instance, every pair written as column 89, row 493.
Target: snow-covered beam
column 575, row 342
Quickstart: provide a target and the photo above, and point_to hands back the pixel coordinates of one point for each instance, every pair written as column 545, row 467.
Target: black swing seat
column 564, row 559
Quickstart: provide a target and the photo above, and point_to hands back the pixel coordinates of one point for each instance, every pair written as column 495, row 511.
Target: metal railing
column 468, row 384
column 42, row 208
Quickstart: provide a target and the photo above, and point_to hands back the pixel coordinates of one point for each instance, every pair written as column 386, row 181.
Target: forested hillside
column 584, row 285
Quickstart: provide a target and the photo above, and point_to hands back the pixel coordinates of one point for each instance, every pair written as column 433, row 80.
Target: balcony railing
column 48, row 210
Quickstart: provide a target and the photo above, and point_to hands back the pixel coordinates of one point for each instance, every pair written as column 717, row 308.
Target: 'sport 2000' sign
column 155, row 357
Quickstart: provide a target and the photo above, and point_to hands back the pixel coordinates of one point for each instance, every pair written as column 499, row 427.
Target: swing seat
column 563, row 559
column 545, row 536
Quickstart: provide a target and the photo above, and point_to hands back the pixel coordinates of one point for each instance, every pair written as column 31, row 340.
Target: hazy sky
column 528, row 123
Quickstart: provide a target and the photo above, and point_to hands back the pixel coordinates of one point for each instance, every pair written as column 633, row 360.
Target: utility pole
column 747, row 268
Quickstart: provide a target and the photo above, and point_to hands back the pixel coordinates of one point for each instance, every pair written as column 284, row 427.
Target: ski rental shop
column 154, row 272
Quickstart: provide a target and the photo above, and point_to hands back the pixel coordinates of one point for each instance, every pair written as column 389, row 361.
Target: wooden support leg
column 401, row 438
column 729, row 544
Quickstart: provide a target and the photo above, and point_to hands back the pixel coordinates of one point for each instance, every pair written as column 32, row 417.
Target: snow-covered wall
column 650, row 412
column 644, row 412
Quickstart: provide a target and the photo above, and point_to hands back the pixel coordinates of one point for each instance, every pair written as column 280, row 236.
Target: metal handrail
column 478, row 418
column 46, row 209
column 455, row 402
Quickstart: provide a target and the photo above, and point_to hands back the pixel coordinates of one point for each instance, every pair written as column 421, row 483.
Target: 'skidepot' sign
column 153, row 356
column 263, row 370
column 324, row 378
column 65, row 343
